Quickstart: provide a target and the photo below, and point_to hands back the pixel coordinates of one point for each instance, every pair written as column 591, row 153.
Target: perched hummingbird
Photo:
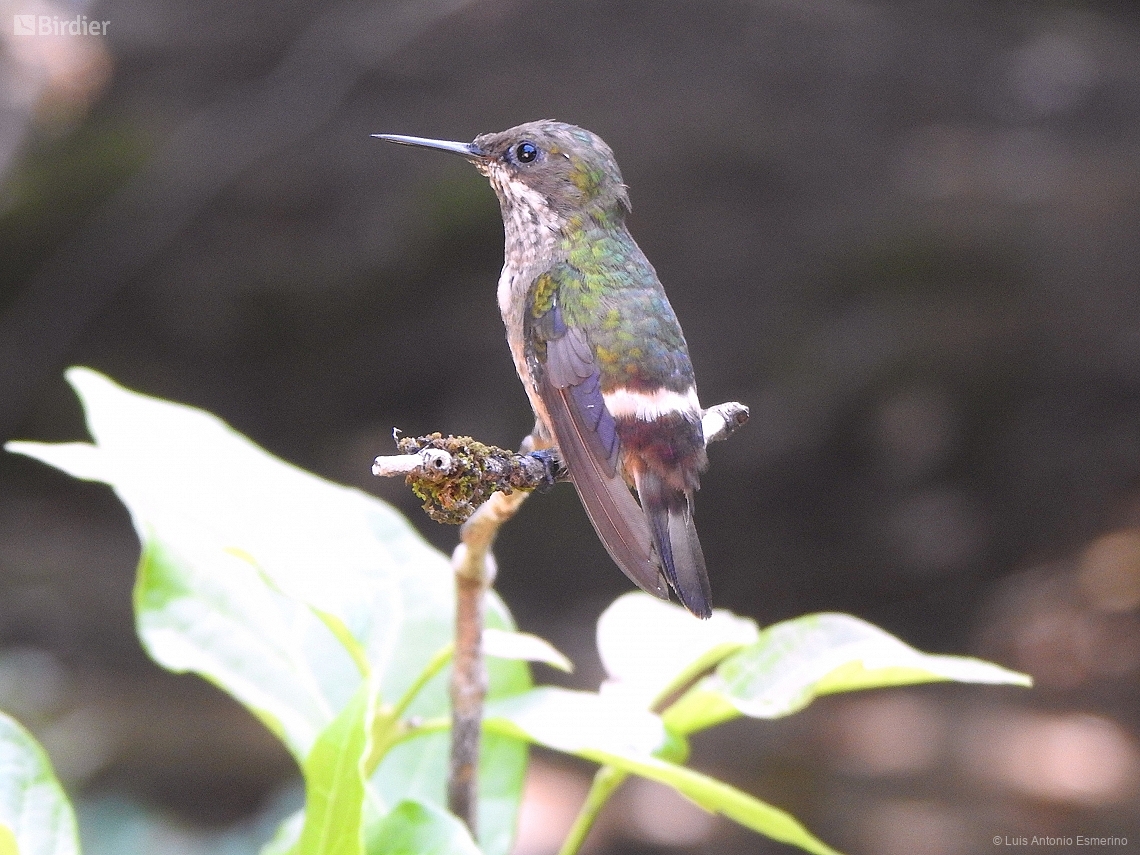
column 598, row 348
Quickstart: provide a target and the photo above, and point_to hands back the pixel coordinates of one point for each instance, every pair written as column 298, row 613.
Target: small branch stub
column 723, row 420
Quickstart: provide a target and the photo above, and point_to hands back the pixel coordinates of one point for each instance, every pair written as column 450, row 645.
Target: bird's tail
column 670, row 515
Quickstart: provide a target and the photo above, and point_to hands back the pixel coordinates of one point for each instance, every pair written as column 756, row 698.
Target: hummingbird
column 597, row 347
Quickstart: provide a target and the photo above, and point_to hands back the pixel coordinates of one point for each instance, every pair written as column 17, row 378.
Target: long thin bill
column 464, row 149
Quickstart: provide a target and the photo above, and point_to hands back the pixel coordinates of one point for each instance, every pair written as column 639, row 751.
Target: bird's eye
column 526, row 152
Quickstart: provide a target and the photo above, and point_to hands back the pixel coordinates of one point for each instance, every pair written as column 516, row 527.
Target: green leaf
column 718, row 797
column 417, row 768
column 420, row 828
column 650, row 647
column 35, row 816
column 574, row 722
column 334, row 781
column 614, row 733
column 283, row 588
column 522, row 645
column 8, row 844
column 798, row 660
column 215, row 616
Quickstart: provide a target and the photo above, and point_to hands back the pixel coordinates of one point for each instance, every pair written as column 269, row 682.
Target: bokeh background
column 906, row 233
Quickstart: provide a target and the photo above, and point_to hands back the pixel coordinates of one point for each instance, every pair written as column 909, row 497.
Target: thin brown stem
column 468, row 689
column 474, row 568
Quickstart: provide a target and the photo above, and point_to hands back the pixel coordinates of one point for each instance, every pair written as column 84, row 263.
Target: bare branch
column 475, row 569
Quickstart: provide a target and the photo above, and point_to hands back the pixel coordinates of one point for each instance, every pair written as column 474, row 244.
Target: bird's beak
column 467, row 150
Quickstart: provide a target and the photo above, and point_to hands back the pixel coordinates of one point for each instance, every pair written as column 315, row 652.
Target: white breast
column 531, row 233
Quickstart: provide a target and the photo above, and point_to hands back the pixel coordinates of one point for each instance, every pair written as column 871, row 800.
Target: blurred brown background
column 905, row 233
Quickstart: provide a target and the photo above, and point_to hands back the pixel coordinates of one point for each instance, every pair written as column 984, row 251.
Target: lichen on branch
column 454, row 475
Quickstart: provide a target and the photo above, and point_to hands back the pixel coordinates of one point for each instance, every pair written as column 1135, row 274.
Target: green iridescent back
column 607, row 288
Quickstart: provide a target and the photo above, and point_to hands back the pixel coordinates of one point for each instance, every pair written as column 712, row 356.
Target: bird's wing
column 568, row 381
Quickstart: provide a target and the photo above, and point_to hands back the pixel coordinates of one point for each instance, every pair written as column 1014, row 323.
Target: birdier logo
column 53, row 25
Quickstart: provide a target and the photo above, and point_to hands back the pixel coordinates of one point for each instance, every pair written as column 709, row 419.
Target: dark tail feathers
column 670, row 515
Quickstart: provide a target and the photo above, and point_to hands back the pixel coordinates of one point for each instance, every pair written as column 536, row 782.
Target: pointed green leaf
column 614, row 733
column 650, row 647
column 574, row 722
column 524, row 646
column 420, row 828
column 334, row 781
column 282, row 588
column 35, row 816
column 718, row 797
column 798, row 660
